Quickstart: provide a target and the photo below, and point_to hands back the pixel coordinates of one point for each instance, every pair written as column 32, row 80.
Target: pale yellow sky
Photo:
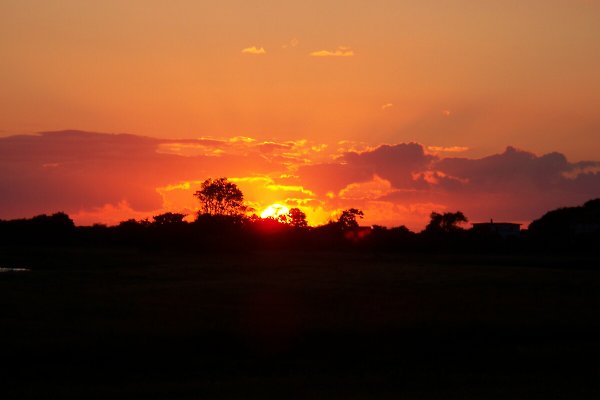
column 480, row 74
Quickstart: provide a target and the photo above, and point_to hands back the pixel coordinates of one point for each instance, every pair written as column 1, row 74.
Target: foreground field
column 119, row 324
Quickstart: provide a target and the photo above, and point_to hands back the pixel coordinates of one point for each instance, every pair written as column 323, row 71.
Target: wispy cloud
column 257, row 51
column 447, row 149
column 386, row 106
column 341, row 51
column 244, row 139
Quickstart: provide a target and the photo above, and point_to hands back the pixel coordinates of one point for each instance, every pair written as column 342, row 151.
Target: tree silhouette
column 297, row 218
column 567, row 221
column 168, row 218
column 220, row 197
column 348, row 218
column 447, row 222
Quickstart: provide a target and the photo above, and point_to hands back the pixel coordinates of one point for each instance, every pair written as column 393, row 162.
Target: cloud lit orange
column 254, row 50
column 341, row 51
column 107, row 178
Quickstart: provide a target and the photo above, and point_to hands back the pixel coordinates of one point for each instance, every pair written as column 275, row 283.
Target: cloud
column 269, row 147
column 257, row 51
column 244, row 139
column 396, row 163
column 79, row 172
column 371, row 190
column 329, row 177
column 341, row 51
column 99, row 177
column 448, row 149
column 514, row 185
column 288, row 152
column 386, row 106
column 294, row 42
column 345, row 146
column 511, row 170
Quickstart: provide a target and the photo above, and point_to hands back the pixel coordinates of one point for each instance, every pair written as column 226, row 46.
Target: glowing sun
column 274, row 211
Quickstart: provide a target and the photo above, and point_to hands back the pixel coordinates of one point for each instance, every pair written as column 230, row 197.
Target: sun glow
column 274, row 211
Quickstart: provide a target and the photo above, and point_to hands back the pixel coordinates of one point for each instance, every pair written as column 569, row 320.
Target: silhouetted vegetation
column 220, row 197
column 221, row 225
column 41, row 229
column 446, row 223
column 168, row 219
column 568, row 228
column 224, row 228
column 348, row 218
column 296, row 218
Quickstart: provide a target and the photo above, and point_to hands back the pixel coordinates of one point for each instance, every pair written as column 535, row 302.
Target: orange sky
column 473, row 75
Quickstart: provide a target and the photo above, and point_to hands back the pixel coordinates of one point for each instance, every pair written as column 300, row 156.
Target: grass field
column 120, row 324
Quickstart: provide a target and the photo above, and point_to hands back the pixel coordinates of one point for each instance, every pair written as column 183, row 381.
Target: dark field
column 118, row 324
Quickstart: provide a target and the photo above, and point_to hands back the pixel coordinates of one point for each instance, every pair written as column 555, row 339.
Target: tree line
column 222, row 224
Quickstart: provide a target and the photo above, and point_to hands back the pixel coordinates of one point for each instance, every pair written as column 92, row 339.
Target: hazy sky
column 480, row 74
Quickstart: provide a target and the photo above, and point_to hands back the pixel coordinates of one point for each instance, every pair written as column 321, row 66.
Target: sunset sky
column 397, row 107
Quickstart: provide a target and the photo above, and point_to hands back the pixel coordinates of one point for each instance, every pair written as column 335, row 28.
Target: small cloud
column 176, row 186
column 448, row 149
column 254, row 50
column 319, row 148
column 244, row 139
column 386, row 106
column 292, row 43
column 269, row 147
column 341, row 51
column 345, row 146
column 373, row 189
column 446, row 113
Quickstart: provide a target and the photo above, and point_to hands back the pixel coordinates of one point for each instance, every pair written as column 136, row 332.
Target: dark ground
column 118, row 324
